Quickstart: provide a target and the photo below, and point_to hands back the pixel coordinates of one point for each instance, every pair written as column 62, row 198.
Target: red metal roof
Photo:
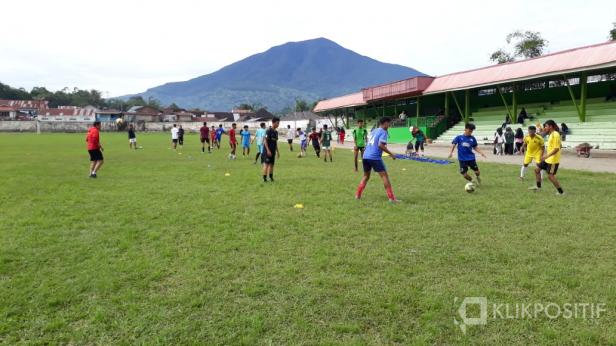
column 25, row 104
column 351, row 100
column 567, row 61
column 407, row 87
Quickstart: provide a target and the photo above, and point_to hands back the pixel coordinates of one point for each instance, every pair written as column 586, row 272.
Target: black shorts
column 203, row 140
column 316, row 146
column 96, row 155
column 465, row 165
column 419, row 145
column 289, row 141
column 181, row 140
column 174, row 141
column 361, row 148
column 551, row 168
column 270, row 160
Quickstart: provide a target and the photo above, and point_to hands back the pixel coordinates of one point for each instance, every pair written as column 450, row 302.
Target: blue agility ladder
column 421, row 159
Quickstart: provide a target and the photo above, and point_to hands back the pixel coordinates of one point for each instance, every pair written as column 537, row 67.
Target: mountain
column 311, row 69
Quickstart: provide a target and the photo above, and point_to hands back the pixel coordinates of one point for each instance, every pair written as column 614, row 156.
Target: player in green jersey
column 360, row 137
column 326, row 143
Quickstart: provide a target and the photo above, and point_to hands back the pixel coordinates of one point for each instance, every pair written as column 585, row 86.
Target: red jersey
column 232, row 136
column 205, row 131
column 213, row 135
column 314, row 137
column 93, row 139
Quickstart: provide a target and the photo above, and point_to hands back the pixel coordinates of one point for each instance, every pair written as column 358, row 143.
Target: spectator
column 420, row 139
column 499, row 139
column 519, row 140
column 522, row 116
column 564, row 131
column 509, row 139
column 507, row 121
column 341, row 135
column 402, row 116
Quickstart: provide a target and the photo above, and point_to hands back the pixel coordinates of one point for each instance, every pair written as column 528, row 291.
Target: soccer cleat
column 478, row 180
column 521, row 178
column 93, row 175
column 394, row 201
column 534, row 188
column 559, row 194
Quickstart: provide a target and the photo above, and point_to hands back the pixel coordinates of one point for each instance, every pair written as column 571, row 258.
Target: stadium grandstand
column 575, row 86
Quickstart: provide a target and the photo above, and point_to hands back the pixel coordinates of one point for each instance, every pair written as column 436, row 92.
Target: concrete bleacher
column 599, row 129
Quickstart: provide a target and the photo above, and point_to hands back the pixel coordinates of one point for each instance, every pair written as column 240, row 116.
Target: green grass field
column 165, row 249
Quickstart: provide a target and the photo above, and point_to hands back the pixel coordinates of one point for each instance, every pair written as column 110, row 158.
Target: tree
column 526, row 44
column 244, row 107
column 174, row 107
column 613, row 32
column 501, row 57
column 301, row 105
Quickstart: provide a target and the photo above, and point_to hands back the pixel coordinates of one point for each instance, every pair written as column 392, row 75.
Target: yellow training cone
column 227, row 174
column 404, row 169
column 298, row 206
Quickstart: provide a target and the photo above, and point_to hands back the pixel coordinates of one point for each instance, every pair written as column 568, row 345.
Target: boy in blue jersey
column 245, row 134
column 373, row 160
column 219, row 132
column 259, row 136
column 466, row 143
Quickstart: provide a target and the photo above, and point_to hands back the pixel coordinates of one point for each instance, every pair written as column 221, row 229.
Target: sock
column 265, row 178
column 468, row 177
column 523, row 171
column 360, row 189
column 542, row 174
column 539, row 184
column 202, row 149
column 390, row 193
column 271, row 176
column 560, row 190
column 257, row 157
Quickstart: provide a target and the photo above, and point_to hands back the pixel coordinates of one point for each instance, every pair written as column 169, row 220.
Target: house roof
column 143, row 110
column 351, row 100
column 29, row 104
column 70, row 112
column 568, row 61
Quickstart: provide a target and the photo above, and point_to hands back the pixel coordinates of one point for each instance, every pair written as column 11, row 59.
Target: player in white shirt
column 174, row 136
column 303, row 142
column 259, row 137
column 290, row 136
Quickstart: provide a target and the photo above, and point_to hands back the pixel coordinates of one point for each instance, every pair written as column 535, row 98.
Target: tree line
column 77, row 97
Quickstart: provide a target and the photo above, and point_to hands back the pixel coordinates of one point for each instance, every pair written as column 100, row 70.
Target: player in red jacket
column 94, row 148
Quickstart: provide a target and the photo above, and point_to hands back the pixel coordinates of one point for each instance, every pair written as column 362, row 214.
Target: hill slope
column 309, row 69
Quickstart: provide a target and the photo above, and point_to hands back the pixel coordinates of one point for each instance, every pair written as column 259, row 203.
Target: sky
column 125, row 47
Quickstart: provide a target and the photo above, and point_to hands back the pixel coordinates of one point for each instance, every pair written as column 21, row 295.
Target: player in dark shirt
column 314, row 137
column 132, row 137
column 204, row 132
column 270, row 149
column 181, row 136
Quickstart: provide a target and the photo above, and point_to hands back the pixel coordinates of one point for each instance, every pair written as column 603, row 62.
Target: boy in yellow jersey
column 551, row 159
column 533, row 148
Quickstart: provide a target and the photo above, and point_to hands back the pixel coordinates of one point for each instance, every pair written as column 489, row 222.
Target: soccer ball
column 470, row 187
